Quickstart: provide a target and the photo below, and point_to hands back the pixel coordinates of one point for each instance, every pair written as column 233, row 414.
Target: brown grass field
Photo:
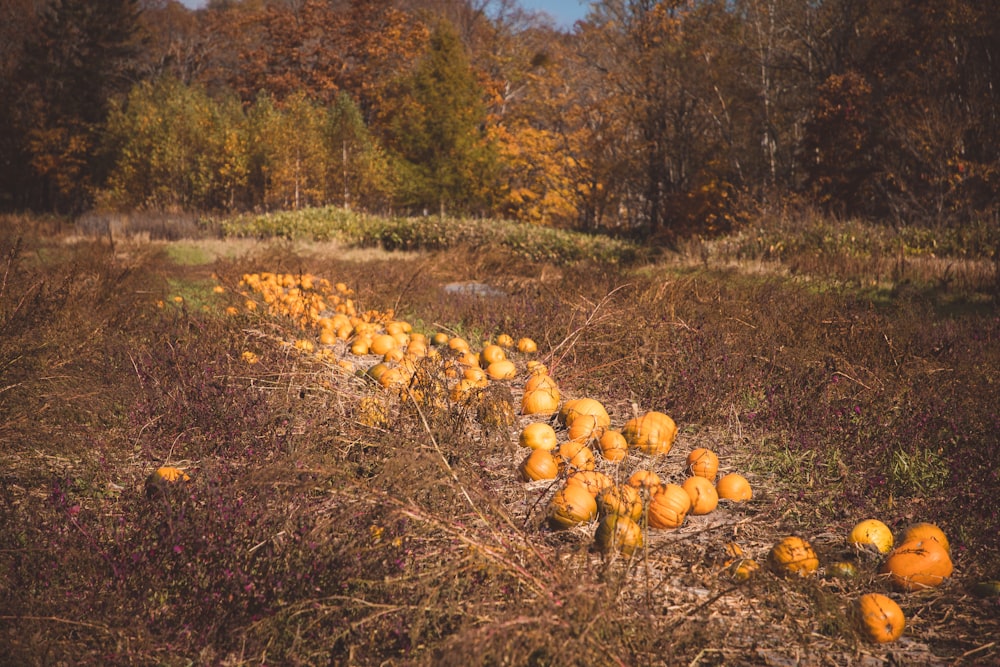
column 331, row 521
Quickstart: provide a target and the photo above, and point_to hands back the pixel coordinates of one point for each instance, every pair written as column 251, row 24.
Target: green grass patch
column 189, row 254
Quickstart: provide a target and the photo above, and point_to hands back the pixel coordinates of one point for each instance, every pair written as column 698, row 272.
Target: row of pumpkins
column 921, row 559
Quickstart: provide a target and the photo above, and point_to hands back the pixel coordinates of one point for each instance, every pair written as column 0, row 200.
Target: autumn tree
column 437, row 131
column 904, row 123
column 938, row 150
column 291, row 157
column 380, row 43
column 529, row 71
column 656, row 60
column 318, row 48
column 77, row 60
column 176, row 43
column 18, row 20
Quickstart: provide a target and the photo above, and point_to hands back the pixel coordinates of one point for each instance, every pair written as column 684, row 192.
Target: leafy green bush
column 431, row 233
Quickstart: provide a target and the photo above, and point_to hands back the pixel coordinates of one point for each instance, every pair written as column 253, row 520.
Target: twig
column 855, row 380
column 977, row 650
column 444, row 461
column 531, row 580
column 570, row 340
column 15, row 249
column 260, row 544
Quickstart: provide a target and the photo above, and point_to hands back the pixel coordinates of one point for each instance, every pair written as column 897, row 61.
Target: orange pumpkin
column 502, row 370
column 620, row 499
column 162, row 477
column 618, row 533
column 394, row 378
column 613, row 446
column 491, row 354
column 578, row 407
column 571, row 506
column 541, row 396
column 741, row 569
column 653, row 433
column 539, row 464
column 584, row 428
column 879, row 617
column 703, row 463
column 917, row 564
column 793, row 555
column 474, row 373
column 536, row 367
column 669, row 507
column 381, row 344
column 469, row 359
column 922, row 531
column 526, row 346
column 704, row 497
column 592, row 480
column 645, row 479
column 170, row 474
column 466, row 389
column 394, row 355
column 577, row 455
column 734, row 486
column 416, row 349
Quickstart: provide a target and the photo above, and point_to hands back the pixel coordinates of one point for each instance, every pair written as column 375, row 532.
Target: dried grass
column 329, row 522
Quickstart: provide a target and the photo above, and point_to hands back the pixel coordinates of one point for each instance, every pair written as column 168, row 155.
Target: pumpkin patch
column 630, row 486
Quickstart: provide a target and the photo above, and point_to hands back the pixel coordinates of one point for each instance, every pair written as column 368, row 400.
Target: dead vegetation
column 331, row 522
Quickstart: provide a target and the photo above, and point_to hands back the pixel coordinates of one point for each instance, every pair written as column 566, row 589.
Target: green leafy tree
column 359, row 168
column 173, row 147
column 438, row 132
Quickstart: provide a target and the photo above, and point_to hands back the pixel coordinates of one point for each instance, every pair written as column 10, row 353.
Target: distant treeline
column 657, row 118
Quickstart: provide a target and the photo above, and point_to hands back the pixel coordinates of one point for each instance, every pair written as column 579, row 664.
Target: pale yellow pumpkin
column 538, row 435
column 871, row 534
